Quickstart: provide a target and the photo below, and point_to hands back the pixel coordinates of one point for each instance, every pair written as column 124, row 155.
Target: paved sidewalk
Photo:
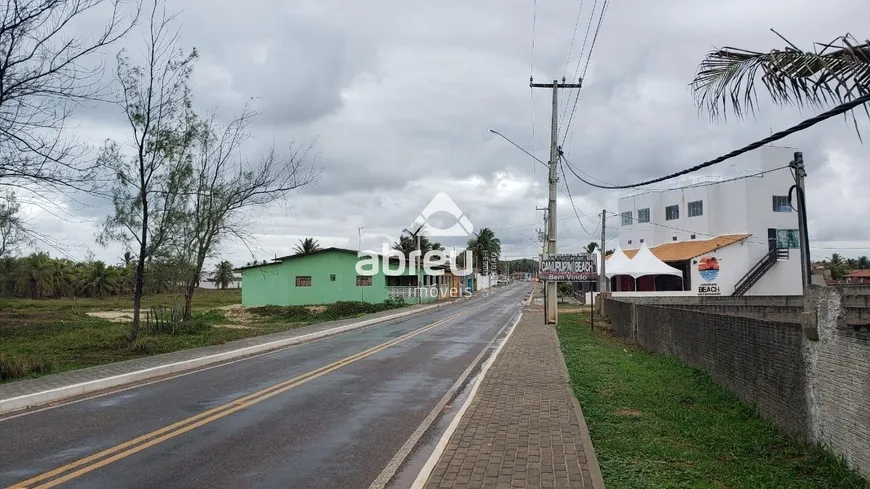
column 524, row 427
column 73, row 377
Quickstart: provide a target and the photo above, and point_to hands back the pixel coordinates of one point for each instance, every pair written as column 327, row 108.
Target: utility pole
column 551, row 286
column 543, row 236
column 603, row 282
column 419, row 272
column 799, row 175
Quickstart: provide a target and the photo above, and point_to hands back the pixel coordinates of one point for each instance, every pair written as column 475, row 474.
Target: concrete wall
column 777, row 307
column 810, row 376
column 838, row 373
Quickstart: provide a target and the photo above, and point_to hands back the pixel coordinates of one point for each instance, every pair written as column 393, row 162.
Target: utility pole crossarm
column 556, row 84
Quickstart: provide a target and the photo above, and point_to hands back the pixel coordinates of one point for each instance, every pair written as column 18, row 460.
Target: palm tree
column 863, row 263
column 223, row 274
column 485, row 248
column 592, row 246
column 835, row 73
column 305, row 247
column 407, row 242
column 837, row 266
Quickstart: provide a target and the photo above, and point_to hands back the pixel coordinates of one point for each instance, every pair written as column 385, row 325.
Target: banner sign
column 568, row 268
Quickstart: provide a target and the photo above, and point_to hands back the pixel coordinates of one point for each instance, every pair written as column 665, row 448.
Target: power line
column 573, row 38
column 840, row 109
column 531, row 74
column 583, row 75
column 579, row 60
column 571, row 199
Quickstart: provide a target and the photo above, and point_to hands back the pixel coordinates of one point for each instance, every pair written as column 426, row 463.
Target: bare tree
column 12, row 233
column 148, row 188
column 225, row 186
column 45, row 71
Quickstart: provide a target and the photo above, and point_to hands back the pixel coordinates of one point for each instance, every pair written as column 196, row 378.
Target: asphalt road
column 331, row 413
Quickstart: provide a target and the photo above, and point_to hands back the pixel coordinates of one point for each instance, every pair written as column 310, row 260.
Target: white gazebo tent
column 617, row 264
column 645, row 263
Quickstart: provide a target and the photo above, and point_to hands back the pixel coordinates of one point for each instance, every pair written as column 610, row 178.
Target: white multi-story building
column 739, row 223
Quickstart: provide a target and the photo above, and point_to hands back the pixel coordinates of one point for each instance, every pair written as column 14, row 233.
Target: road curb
column 69, row 391
column 426, row 471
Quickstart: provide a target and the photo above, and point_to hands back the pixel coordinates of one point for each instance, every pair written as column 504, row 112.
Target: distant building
column 857, row 277
column 740, row 224
column 329, row 275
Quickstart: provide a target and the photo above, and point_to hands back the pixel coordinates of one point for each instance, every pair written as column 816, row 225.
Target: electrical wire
column 635, row 221
column 579, row 60
column 840, row 109
column 531, row 75
column 571, row 199
column 588, row 58
column 573, row 38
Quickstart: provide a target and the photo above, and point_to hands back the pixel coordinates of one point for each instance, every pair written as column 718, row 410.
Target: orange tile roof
column 686, row 250
column 859, row 274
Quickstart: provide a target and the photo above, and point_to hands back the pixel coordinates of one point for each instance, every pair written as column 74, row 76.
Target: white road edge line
column 65, row 392
column 426, row 471
column 395, row 464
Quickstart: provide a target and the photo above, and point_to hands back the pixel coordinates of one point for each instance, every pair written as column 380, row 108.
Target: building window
column 674, row 238
column 629, row 241
column 626, row 218
column 363, row 281
column 692, row 237
column 672, row 212
column 332, row 277
column 641, row 240
column 643, row 215
column 786, row 238
column 781, row 203
column 303, row 281
column 696, row 208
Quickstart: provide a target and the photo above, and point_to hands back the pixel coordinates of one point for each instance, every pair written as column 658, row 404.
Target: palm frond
column 839, row 72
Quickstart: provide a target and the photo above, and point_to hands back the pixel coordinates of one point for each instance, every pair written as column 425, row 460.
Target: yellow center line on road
column 142, row 442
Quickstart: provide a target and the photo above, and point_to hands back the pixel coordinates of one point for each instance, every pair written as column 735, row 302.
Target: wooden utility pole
column 551, row 286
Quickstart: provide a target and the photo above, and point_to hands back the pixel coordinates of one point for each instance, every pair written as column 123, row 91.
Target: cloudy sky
column 399, row 98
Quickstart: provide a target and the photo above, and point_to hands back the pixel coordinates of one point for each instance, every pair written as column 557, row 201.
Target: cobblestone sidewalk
column 524, row 427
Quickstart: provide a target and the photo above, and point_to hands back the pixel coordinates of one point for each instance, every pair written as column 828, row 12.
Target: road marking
column 150, row 439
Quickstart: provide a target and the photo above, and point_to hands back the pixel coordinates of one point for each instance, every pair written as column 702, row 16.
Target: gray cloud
column 400, row 97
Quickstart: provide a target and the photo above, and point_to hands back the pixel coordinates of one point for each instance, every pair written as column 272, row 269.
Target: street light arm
column 519, row 147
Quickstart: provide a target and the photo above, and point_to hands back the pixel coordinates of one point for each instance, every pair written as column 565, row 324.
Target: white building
column 740, row 222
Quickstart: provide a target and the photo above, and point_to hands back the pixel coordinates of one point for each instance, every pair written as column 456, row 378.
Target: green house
column 327, row 276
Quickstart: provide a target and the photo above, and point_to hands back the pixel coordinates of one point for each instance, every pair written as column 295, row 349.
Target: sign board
column 568, row 268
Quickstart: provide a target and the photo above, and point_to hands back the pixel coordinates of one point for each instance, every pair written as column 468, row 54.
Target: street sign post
column 568, row 268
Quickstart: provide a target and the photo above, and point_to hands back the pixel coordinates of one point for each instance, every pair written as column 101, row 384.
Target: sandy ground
column 235, row 312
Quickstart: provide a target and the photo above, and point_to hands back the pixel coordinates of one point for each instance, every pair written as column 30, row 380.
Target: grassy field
column 39, row 337
column 657, row 423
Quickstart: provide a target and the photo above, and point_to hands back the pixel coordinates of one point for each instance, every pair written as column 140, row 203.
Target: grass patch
column 657, row 423
column 39, row 339
column 202, row 299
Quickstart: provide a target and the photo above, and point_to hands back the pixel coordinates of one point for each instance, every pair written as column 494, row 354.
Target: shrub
column 286, row 313
column 16, row 367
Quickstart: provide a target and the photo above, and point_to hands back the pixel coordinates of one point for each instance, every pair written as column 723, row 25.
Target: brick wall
column 813, row 389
